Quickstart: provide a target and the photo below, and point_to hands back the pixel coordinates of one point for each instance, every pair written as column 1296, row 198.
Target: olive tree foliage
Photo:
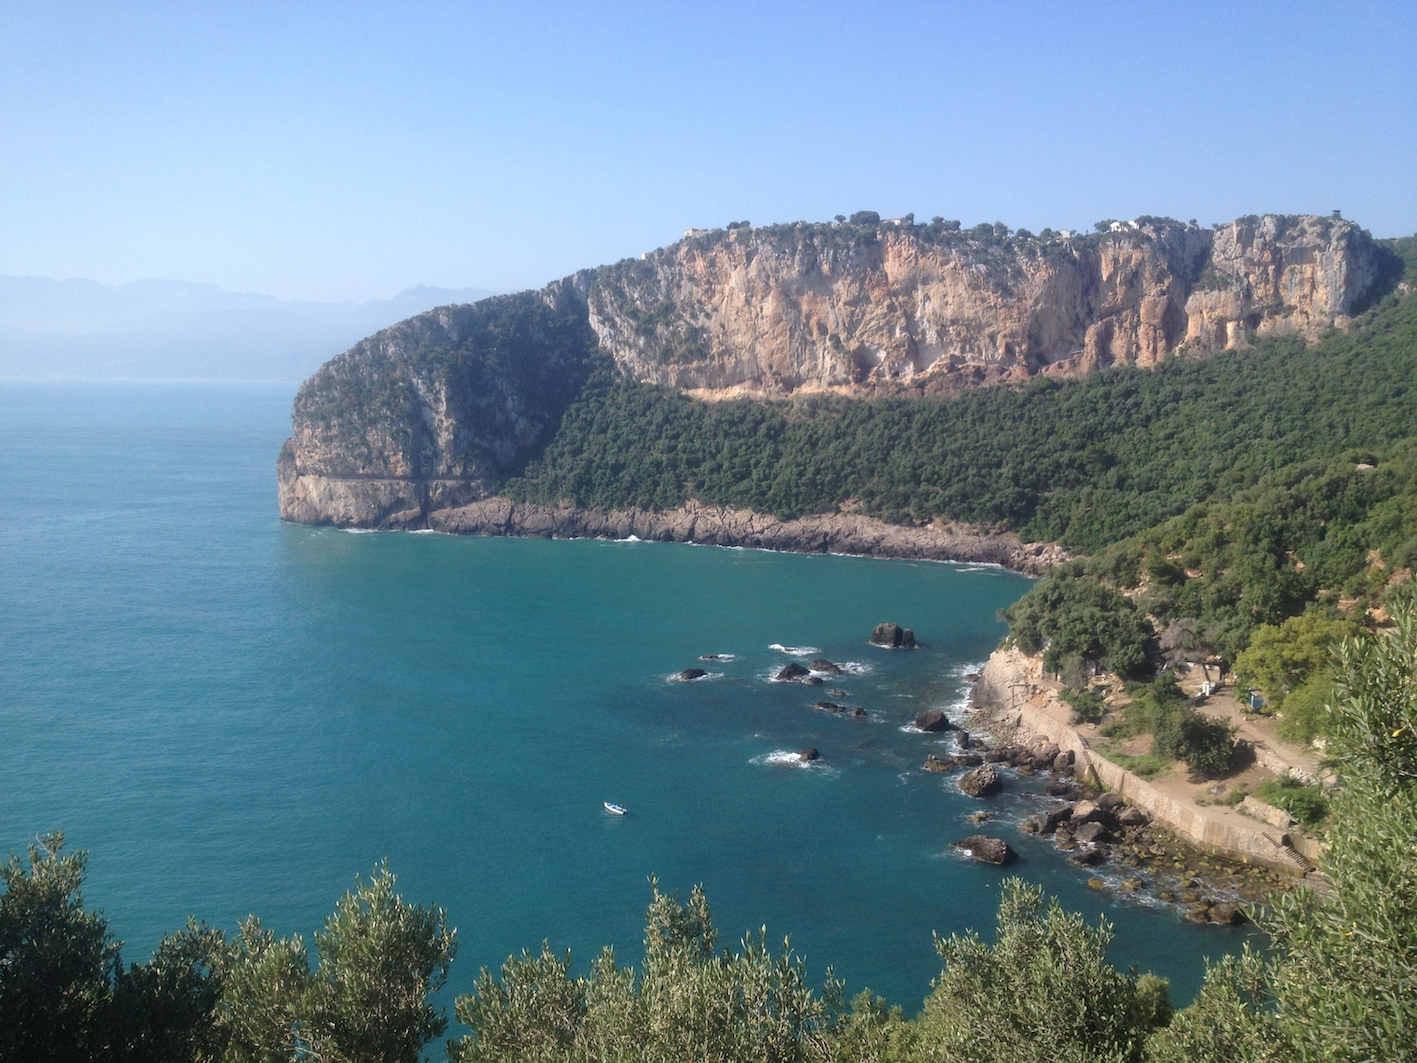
column 1043, row 990
column 56, row 959
column 367, row 1001
column 1341, row 982
column 64, row 992
column 688, row 1001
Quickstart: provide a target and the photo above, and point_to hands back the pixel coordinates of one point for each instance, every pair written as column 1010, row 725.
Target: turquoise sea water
column 234, row 715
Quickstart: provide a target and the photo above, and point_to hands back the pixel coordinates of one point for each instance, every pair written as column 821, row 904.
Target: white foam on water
column 795, row 651
column 360, row 531
column 789, row 757
column 676, row 677
column 630, row 539
column 856, row 668
column 718, row 657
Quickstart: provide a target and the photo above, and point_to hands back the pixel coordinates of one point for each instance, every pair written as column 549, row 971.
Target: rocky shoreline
column 1104, row 815
column 833, row 533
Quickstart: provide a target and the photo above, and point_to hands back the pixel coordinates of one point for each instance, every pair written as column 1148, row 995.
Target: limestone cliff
column 437, row 411
column 820, row 307
column 434, row 411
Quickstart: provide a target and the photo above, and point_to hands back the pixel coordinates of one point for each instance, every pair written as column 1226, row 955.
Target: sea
column 233, row 715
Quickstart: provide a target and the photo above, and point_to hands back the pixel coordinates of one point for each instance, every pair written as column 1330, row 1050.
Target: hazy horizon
column 339, row 152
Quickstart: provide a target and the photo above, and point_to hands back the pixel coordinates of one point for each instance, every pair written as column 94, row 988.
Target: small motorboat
column 611, row 806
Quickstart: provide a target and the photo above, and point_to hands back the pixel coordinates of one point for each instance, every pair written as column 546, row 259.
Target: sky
column 349, row 150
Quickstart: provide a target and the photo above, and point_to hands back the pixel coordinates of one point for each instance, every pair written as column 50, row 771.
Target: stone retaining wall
column 1015, row 701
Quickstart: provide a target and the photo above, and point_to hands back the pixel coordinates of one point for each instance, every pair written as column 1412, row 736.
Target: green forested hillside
column 1085, row 461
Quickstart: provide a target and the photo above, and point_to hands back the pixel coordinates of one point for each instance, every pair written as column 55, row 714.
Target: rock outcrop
column 893, row 636
column 834, row 533
column 983, row 781
column 785, row 308
column 987, row 850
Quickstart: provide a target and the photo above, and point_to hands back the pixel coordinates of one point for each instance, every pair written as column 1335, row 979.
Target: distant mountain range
column 157, row 329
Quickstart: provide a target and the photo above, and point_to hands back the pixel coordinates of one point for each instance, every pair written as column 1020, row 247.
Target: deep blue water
column 234, row 715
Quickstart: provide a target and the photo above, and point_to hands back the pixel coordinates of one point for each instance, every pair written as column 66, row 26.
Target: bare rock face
column 431, row 413
column 774, row 310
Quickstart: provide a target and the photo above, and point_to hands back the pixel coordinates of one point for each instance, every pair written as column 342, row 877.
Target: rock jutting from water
column 893, row 636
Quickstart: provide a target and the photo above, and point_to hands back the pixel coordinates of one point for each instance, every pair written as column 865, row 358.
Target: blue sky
column 346, row 150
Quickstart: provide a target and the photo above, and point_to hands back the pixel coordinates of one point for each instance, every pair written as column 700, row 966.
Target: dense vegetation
column 1086, row 461
column 1339, row 983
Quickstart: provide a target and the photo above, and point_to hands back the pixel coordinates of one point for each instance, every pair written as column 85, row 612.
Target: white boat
column 611, row 806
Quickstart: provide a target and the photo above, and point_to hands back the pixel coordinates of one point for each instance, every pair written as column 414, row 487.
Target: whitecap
column 795, row 651
column 856, row 668
column 630, row 539
column 789, row 757
column 359, row 531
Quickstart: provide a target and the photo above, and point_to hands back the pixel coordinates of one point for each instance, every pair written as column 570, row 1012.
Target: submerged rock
column 829, row 706
column 690, row 674
column 809, row 754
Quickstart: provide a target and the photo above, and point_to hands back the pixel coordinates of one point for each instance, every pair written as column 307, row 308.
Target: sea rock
column 829, row 706
column 1110, row 802
column 962, row 739
column 690, row 674
column 790, row 672
column 1049, row 821
column 1225, row 913
column 933, row 720
column 968, row 760
column 809, row 754
column 825, row 667
column 983, row 781
column 936, row 765
column 859, row 712
column 1086, row 811
column 1089, row 856
column 1060, row 788
column 1091, row 832
column 1132, row 816
column 715, row 656
column 987, row 850
column 811, row 680
column 893, row 636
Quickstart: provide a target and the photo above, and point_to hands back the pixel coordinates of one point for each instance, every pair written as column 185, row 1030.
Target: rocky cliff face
column 815, row 307
column 435, row 412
